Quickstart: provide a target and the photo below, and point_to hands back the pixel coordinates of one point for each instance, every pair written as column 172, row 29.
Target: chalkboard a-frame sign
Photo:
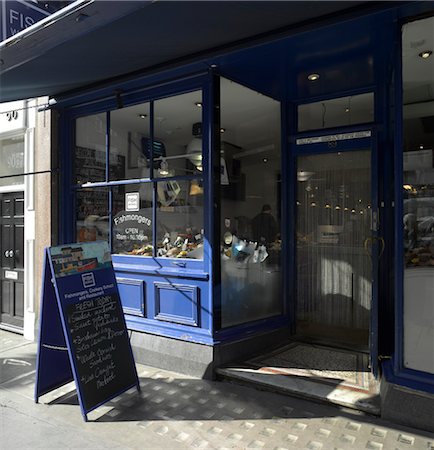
column 82, row 330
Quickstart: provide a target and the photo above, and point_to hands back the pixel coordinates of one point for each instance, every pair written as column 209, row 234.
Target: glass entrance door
column 334, row 268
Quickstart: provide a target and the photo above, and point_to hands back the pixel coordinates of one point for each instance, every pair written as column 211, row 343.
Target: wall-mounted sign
column 83, row 335
column 17, row 15
column 11, row 275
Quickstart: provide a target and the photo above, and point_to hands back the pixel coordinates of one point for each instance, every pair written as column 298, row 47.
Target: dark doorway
column 12, row 260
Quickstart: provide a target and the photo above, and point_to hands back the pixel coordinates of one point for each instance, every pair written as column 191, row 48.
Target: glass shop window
column 132, row 219
column 336, row 112
column 250, row 205
column 418, row 194
column 12, row 161
column 92, row 217
column 89, row 154
column 180, row 215
column 130, row 142
column 178, row 135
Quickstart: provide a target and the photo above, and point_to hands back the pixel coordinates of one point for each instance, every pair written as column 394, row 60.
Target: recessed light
column 347, row 110
column 313, row 77
column 265, row 160
column 142, row 116
column 425, row 54
column 222, row 130
column 421, row 147
column 198, row 104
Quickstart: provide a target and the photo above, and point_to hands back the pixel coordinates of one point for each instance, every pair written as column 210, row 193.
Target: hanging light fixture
column 302, row 175
column 164, row 168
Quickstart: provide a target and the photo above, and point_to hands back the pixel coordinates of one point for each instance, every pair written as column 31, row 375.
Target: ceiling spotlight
column 222, row 130
column 313, row 77
column 265, row 160
column 198, row 104
column 425, row 54
column 347, row 110
column 421, row 147
column 142, row 116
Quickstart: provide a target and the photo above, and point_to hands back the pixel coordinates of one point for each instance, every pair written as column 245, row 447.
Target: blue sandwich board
column 82, row 330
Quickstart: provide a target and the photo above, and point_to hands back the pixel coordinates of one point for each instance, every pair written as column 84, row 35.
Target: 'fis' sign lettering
column 17, row 15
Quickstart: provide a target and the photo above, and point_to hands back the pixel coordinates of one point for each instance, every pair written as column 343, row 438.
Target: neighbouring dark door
column 12, row 260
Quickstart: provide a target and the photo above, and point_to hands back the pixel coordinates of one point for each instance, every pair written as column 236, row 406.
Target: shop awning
column 91, row 41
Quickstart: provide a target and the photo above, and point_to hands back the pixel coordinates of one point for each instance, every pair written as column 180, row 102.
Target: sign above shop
column 334, row 137
column 18, row 15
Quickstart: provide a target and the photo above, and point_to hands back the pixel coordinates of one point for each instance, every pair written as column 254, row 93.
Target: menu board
column 93, row 324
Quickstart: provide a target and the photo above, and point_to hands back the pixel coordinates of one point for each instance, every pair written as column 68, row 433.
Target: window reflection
column 418, row 196
column 336, row 112
column 90, row 149
column 92, row 215
column 129, row 142
column 178, row 145
column 12, row 160
column 250, row 205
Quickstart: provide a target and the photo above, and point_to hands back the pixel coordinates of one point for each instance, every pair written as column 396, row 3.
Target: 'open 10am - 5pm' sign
column 83, row 335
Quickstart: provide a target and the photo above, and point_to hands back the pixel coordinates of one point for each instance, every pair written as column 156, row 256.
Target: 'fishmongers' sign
column 80, row 287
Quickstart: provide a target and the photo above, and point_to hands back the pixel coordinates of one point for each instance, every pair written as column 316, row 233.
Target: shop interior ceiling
column 93, row 41
column 418, row 78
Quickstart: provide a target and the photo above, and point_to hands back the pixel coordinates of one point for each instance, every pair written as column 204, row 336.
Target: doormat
column 322, row 364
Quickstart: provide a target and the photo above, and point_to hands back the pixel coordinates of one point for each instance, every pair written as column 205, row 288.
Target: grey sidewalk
column 178, row 412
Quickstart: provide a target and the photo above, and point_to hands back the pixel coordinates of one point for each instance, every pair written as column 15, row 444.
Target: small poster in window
column 132, row 201
column 224, row 179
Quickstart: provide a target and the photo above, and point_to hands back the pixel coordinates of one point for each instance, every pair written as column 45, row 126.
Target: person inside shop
column 264, row 226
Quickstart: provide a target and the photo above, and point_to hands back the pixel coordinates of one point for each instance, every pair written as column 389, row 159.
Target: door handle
column 371, row 240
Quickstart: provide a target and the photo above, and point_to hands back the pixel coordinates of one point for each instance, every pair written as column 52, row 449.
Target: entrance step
column 313, row 372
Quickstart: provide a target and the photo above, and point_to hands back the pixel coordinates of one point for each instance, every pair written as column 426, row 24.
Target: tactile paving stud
column 256, row 444
column 379, row 432
column 347, row 438
column 372, row 445
column 208, row 414
column 330, row 420
column 291, row 438
column 287, row 410
column 235, row 436
column 353, row 426
column 322, row 432
column 406, row 439
column 182, row 437
column 299, row 426
column 247, row 425
column 268, row 432
column 314, row 445
column 199, row 443
column 215, row 430
column 162, row 430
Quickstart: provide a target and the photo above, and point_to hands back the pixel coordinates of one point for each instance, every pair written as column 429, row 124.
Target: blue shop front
column 279, row 190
